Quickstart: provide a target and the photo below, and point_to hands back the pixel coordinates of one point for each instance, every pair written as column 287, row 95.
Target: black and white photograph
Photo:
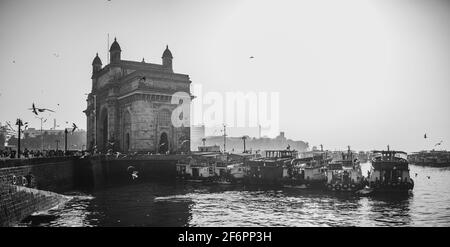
column 224, row 114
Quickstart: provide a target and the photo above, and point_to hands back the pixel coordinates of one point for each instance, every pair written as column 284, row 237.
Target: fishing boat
column 307, row 172
column 345, row 174
column 194, row 170
column 390, row 172
column 433, row 158
column 269, row 170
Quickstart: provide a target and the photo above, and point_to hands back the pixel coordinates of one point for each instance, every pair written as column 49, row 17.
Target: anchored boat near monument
column 389, row 174
column 389, row 171
column 345, row 174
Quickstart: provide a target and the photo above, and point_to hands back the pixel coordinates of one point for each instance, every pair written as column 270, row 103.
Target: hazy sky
column 359, row 73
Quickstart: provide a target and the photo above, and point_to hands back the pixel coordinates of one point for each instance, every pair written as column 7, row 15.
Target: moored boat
column 345, row 174
column 390, row 172
column 307, row 172
column 192, row 170
column 433, row 158
column 270, row 169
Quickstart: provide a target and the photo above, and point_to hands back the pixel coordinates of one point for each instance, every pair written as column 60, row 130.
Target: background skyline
column 360, row 73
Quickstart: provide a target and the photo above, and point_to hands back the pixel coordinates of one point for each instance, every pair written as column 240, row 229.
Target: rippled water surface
column 156, row 204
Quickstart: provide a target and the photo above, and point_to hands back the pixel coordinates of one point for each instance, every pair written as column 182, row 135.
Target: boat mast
column 224, row 138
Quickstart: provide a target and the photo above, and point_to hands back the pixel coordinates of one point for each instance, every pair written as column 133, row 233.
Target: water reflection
column 181, row 204
column 390, row 210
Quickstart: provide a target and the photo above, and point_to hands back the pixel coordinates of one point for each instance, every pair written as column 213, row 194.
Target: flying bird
column 44, row 109
column 74, row 127
column 184, row 142
column 35, row 109
column 251, row 57
column 133, row 171
column 56, row 54
column 437, row 144
column 425, row 136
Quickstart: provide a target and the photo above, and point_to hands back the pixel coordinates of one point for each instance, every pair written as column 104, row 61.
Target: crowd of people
column 9, row 153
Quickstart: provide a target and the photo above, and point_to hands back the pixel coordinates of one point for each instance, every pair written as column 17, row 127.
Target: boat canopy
column 383, row 152
column 389, row 165
column 281, row 154
column 335, row 166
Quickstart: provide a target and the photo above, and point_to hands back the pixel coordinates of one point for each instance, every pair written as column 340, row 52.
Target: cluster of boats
column 434, row 158
column 288, row 168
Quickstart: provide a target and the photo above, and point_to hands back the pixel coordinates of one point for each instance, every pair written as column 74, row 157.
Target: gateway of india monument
column 131, row 103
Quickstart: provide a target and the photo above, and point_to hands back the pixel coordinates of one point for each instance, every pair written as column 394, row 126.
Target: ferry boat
column 390, row 172
column 307, row 172
column 192, row 169
column 214, row 167
column 432, row 158
column 345, row 174
column 269, row 170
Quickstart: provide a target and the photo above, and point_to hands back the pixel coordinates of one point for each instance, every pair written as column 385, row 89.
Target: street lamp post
column 19, row 125
column 224, row 138
column 244, row 138
column 65, row 141
column 204, row 141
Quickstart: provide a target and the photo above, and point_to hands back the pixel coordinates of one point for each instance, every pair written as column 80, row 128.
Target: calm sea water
column 156, row 204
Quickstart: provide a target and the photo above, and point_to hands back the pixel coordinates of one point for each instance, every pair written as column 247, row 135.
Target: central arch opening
column 163, row 143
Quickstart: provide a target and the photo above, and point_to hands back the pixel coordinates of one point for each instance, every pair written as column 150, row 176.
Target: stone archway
column 163, row 143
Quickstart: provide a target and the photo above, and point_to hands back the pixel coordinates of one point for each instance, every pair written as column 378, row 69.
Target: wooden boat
column 433, row 158
column 269, row 170
column 345, row 174
column 390, row 172
column 307, row 172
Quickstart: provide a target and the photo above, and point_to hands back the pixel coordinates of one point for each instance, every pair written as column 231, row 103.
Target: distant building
column 197, row 134
column 47, row 139
column 214, row 148
column 32, row 132
column 236, row 144
column 131, row 106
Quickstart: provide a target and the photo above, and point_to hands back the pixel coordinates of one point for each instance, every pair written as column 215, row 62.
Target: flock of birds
column 437, row 144
column 36, row 110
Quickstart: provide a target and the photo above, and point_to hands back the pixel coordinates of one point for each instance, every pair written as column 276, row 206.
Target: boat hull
column 344, row 187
